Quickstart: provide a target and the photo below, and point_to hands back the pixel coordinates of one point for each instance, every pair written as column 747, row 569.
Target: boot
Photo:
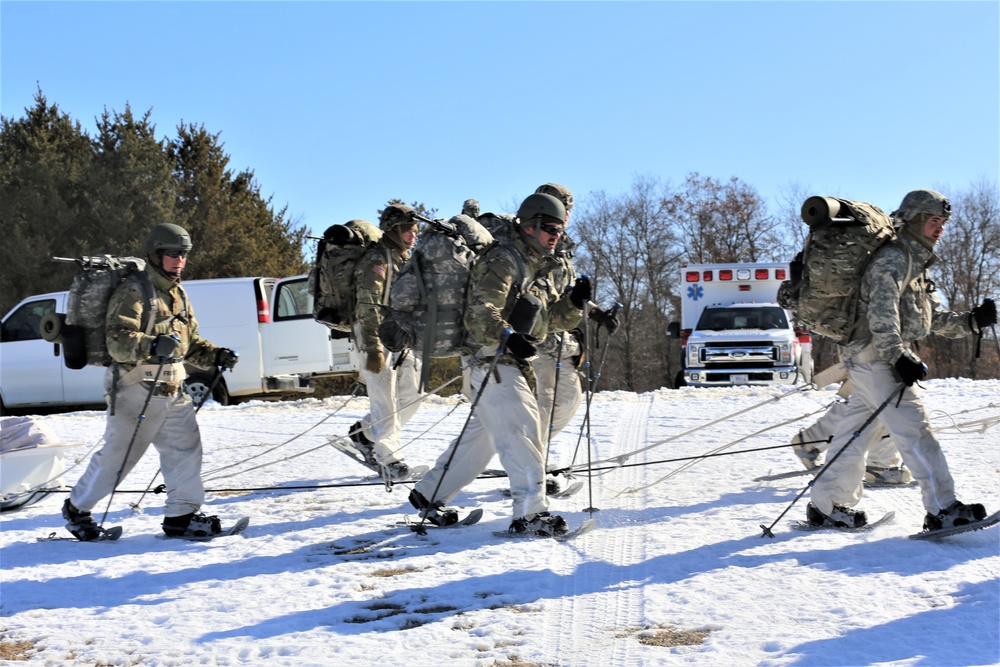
column 840, row 517
column 192, row 525
column 808, row 454
column 80, row 523
column 879, row 475
column 436, row 513
column 956, row 514
column 364, row 446
column 395, row 471
column 542, row 524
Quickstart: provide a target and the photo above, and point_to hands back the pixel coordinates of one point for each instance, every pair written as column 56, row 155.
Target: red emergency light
column 761, row 274
column 725, row 274
column 691, row 276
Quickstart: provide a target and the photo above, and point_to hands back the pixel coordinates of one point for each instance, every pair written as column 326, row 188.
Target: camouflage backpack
column 331, row 280
column 427, row 299
column 826, row 274
column 82, row 330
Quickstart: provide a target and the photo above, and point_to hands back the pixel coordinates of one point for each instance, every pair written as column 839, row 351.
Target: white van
column 268, row 322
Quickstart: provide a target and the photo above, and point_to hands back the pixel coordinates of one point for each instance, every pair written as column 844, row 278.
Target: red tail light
column 263, row 314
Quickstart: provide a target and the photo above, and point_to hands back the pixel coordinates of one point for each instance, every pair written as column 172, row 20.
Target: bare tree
column 968, row 272
column 627, row 244
column 724, row 222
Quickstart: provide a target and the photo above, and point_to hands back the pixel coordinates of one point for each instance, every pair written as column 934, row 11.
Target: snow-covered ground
column 676, row 572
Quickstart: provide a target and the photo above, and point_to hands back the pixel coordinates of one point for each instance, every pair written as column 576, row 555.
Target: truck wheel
column 197, row 384
column 679, row 380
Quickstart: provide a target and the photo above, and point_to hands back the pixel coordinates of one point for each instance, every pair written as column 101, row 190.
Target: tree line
column 67, row 193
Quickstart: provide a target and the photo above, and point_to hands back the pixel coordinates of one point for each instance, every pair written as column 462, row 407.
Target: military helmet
column 930, row 202
column 538, row 204
column 560, row 192
column 394, row 215
column 166, row 236
column 470, row 207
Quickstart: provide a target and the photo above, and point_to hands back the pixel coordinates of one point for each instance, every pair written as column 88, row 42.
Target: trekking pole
column 996, row 339
column 597, row 376
column 419, row 528
column 135, row 433
column 555, row 395
column 588, row 351
column 204, row 399
column 854, row 436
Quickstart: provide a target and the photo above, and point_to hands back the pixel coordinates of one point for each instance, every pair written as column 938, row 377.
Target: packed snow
column 676, row 572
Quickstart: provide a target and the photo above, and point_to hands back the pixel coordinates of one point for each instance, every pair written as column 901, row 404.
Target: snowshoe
column 840, row 517
column 542, row 524
column 956, row 514
column 435, row 513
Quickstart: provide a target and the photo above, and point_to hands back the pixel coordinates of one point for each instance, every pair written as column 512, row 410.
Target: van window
column 23, row 322
column 294, row 302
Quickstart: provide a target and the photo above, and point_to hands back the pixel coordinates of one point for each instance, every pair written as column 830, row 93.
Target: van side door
column 294, row 343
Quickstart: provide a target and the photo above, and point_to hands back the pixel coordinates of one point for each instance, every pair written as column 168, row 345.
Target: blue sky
column 338, row 107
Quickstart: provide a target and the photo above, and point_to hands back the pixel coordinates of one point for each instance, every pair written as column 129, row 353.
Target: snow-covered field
column 676, row 572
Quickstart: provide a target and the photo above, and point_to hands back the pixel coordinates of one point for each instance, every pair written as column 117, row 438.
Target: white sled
column 31, row 462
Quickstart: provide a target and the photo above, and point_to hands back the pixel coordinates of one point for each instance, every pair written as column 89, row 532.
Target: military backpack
column 331, row 280
column 825, row 277
column 82, row 329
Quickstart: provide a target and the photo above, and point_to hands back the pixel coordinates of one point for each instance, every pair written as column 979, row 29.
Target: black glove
column 985, row 314
column 910, row 371
column 581, row 292
column 520, row 345
column 605, row 319
column 226, row 358
column 165, row 347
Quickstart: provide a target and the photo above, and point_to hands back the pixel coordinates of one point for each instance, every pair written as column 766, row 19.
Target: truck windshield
column 722, row 319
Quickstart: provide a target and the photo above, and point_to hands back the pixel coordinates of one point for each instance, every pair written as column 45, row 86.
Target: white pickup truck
column 733, row 331
column 268, row 322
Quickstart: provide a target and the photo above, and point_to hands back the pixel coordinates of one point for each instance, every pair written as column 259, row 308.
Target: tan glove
column 375, row 362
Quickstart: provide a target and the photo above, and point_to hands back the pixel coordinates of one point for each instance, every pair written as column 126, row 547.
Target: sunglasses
column 174, row 254
column 552, row 230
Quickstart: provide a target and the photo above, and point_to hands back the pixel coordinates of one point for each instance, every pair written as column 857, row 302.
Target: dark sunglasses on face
column 174, row 254
column 552, row 230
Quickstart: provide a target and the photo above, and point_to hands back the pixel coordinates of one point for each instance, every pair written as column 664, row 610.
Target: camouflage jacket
column 563, row 276
column 126, row 337
column 892, row 315
column 493, row 290
column 373, row 276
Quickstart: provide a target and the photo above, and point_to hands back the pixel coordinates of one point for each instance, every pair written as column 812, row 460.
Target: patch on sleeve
column 380, row 270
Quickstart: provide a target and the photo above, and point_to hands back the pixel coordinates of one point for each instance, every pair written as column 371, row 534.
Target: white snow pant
column 882, row 451
column 392, row 401
column 909, row 428
column 504, row 422
column 168, row 424
column 567, row 391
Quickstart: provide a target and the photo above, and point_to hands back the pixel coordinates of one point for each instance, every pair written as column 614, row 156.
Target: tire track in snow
column 585, row 634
